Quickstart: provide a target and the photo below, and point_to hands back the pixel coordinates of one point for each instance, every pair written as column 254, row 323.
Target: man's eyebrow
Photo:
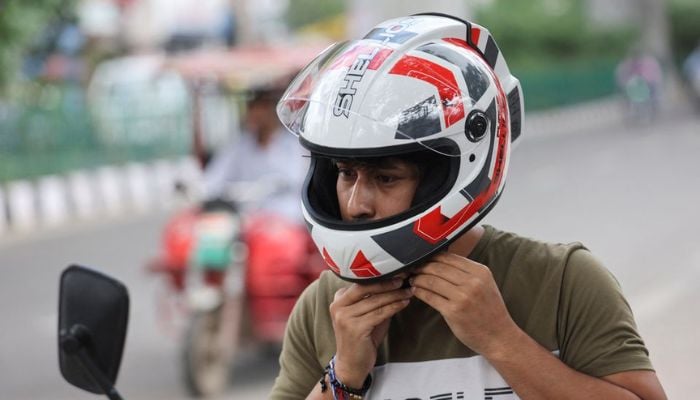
column 394, row 163
column 345, row 162
column 390, row 166
column 387, row 164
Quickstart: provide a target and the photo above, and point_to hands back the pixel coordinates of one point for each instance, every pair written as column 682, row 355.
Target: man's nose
column 361, row 203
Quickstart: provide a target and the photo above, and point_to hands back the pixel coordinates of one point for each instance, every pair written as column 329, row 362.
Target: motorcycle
column 640, row 99
column 234, row 277
column 640, row 80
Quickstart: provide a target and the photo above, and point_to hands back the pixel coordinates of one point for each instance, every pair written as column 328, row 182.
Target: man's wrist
column 503, row 348
column 341, row 391
column 349, row 377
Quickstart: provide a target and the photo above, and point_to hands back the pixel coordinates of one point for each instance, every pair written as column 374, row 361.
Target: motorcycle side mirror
column 92, row 320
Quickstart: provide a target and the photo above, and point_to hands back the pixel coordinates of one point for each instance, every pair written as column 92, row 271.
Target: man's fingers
column 339, row 293
column 374, row 302
column 381, row 314
column 357, row 292
column 447, row 272
column 436, row 284
column 462, row 263
column 432, row 299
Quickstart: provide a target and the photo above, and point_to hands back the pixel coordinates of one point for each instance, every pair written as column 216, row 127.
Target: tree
column 20, row 21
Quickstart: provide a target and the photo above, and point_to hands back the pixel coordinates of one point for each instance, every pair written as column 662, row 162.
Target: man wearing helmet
column 410, row 131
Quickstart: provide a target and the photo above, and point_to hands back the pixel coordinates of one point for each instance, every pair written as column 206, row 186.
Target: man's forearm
column 535, row 373
column 316, row 393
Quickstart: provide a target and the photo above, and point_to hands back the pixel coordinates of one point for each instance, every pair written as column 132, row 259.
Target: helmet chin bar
column 407, row 268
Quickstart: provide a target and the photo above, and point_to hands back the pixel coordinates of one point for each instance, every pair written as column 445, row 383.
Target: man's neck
column 465, row 244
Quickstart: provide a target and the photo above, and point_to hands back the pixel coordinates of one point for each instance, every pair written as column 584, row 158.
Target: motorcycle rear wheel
column 209, row 346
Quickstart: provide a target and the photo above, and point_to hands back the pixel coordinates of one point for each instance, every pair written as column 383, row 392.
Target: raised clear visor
column 360, row 94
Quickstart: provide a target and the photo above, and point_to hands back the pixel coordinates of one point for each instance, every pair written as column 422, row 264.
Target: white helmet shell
column 424, row 82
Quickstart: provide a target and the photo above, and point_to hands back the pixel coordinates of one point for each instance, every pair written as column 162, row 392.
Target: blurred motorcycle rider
column 263, row 152
column 691, row 70
column 640, row 79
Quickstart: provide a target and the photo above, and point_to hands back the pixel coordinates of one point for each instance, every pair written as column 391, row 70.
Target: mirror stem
column 73, row 342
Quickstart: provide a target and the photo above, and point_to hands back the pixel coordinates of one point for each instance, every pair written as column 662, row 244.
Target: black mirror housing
column 92, row 325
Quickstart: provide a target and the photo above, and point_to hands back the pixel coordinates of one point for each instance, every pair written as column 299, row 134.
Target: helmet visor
column 360, row 95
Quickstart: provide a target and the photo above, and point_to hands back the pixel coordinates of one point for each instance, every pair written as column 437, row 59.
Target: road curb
column 107, row 192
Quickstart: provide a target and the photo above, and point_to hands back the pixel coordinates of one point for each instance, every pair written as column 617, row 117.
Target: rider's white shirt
column 245, row 161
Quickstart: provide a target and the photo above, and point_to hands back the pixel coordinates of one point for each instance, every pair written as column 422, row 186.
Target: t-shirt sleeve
column 596, row 329
column 299, row 368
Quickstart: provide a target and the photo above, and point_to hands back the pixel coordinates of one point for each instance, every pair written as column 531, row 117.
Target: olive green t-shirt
column 559, row 294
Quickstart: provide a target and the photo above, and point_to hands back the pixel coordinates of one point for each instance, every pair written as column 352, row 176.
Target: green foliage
column 545, row 32
column 685, row 26
column 568, row 83
column 304, row 12
column 20, row 22
column 553, row 49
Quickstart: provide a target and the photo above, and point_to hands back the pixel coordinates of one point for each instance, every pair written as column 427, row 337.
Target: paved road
column 630, row 194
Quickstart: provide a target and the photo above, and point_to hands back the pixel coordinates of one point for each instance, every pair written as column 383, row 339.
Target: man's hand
column 466, row 295
column 361, row 316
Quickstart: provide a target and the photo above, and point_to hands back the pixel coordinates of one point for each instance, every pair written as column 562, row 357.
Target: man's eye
column 346, row 173
column 385, row 179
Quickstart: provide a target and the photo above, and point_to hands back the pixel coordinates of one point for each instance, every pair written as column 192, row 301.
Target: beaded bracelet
column 341, row 391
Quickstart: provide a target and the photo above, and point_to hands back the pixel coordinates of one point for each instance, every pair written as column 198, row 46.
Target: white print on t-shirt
column 452, row 379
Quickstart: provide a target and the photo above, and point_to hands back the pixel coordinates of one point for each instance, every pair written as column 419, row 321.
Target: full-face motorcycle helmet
column 429, row 85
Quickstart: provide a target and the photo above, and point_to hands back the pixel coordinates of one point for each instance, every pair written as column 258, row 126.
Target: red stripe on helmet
column 362, row 267
column 476, row 32
column 440, row 77
column 463, row 43
column 459, row 42
column 379, row 58
column 349, row 57
column 329, row 261
column 434, row 227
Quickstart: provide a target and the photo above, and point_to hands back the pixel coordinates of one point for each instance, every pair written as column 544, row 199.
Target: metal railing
column 49, row 129
column 561, row 85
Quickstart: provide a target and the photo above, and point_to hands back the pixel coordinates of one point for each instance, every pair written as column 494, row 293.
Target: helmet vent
column 477, row 126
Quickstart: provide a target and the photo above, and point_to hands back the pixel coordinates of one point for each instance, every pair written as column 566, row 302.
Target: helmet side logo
column 352, row 79
column 362, row 61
